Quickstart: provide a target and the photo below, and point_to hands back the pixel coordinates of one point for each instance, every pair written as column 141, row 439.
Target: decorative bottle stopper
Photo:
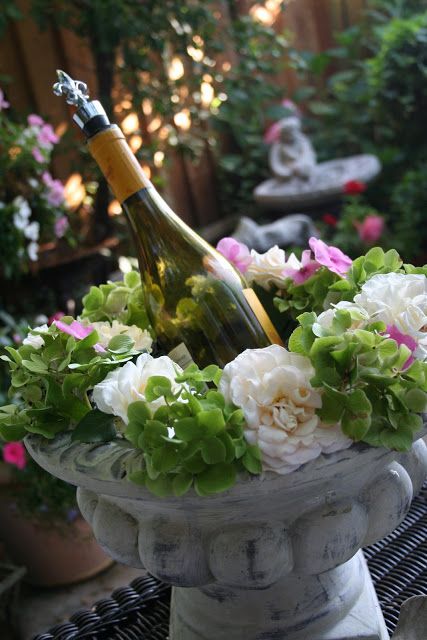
column 90, row 115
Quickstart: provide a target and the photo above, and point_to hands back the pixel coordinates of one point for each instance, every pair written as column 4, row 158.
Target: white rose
column 398, row 300
column 266, row 269
column 35, row 340
column 141, row 337
column 127, row 384
column 272, row 387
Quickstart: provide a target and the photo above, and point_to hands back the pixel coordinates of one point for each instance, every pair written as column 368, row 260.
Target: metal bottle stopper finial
column 75, row 90
column 90, row 115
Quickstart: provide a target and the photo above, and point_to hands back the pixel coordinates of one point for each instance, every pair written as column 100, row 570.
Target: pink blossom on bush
column 304, row 271
column 34, row 120
column 331, row 257
column 3, row 103
column 55, row 196
column 14, row 453
column 370, row 229
column 37, row 155
column 46, row 136
column 235, row 252
column 273, row 133
column 61, row 226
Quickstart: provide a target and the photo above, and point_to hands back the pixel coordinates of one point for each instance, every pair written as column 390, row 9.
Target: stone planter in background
column 276, row 557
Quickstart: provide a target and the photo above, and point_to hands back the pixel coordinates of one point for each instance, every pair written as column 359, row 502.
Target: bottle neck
column 117, row 162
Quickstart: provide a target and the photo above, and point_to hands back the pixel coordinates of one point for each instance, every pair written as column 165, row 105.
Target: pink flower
column 401, row 338
column 14, row 453
column 75, row 329
column 46, row 136
column 305, row 271
column 331, row 257
column 34, row 120
column 273, row 133
column 55, row 196
column 289, row 104
column 354, row 187
column 78, row 331
column 235, row 252
column 371, row 229
column 61, row 226
column 17, row 338
column 37, row 155
column 55, row 316
column 3, row 103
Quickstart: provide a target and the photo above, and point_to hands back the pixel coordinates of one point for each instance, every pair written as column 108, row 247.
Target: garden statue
column 290, row 231
column 298, row 179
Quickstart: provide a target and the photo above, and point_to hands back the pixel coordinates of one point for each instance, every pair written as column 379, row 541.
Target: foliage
column 122, row 301
column 196, row 439
column 31, row 201
column 409, row 206
column 366, row 386
column 40, row 496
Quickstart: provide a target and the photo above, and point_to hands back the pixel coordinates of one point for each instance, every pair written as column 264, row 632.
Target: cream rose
column 106, row 331
column 398, row 300
column 272, row 387
column 127, row 384
column 266, row 269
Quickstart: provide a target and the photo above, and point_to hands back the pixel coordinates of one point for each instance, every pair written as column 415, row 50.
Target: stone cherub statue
column 292, row 155
column 298, row 181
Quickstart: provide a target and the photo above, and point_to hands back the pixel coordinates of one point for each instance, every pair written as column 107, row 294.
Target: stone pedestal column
column 274, row 558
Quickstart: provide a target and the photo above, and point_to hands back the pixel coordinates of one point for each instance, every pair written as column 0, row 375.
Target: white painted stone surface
column 274, row 558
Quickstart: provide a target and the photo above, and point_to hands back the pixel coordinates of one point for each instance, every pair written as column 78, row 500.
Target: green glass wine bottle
column 199, row 305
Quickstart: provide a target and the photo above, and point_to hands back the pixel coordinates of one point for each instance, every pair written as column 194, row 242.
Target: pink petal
column 74, row 329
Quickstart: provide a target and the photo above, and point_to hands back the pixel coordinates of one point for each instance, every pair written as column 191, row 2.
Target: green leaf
column 116, row 300
column 355, row 427
column 12, row 432
column 213, row 451
column 35, row 367
column 139, row 412
column 215, row 479
column 138, row 477
column 182, row 483
column 188, row 429
column 160, row 486
column 333, row 405
column 157, row 387
column 133, row 431
column 94, row 427
column 228, row 444
column 153, row 435
column 94, row 299
column 400, row 440
column 416, row 400
column 165, row 458
column 295, row 343
column 357, row 402
column 211, row 421
column 387, row 348
column 132, row 279
column 195, row 464
column 252, row 460
column 120, row 344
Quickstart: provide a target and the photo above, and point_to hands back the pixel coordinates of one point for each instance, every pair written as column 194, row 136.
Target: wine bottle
column 199, row 305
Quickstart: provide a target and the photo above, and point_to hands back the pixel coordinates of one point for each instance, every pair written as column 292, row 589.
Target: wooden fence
column 30, row 56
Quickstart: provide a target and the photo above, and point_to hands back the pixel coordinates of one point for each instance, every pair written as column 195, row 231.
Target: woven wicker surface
column 398, row 566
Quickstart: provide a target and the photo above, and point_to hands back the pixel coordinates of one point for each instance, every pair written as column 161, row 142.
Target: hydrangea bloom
column 236, row 252
column 331, row 257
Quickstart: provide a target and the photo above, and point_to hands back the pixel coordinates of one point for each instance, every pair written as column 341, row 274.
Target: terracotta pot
column 273, row 557
column 53, row 556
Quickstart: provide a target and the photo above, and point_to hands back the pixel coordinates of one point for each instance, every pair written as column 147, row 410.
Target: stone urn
column 274, row 558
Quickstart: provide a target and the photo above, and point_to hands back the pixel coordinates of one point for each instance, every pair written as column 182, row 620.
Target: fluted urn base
column 274, row 558
column 339, row 604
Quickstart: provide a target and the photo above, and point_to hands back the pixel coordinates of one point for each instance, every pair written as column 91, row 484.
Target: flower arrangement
column 31, row 201
column 354, row 370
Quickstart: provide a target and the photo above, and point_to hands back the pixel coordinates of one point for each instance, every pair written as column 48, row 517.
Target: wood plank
column 18, row 91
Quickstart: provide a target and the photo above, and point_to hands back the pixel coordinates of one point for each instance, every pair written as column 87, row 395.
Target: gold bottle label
column 262, row 317
column 181, row 355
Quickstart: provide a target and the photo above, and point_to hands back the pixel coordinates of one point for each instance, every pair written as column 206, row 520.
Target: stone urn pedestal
column 275, row 558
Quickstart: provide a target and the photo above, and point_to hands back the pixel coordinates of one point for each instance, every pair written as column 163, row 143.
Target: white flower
column 35, row 340
column 399, row 300
column 32, row 231
column 22, row 214
column 266, row 269
column 141, row 337
column 33, row 251
column 127, row 384
column 272, row 387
